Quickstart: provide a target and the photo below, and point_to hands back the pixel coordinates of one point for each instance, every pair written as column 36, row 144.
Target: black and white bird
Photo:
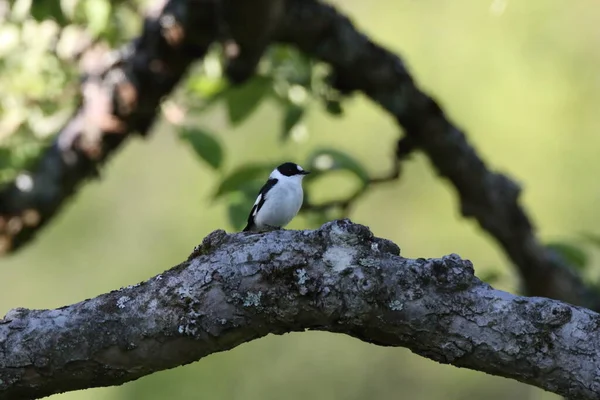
column 279, row 200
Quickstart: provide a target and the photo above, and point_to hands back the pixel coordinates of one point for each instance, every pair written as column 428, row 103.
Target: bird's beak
column 305, row 172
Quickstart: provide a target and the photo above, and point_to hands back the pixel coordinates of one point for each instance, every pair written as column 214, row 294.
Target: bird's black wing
column 260, row 200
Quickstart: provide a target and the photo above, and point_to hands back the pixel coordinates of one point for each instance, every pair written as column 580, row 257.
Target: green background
column 522, row 78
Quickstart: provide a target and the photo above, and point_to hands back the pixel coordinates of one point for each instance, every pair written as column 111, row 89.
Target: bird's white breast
column 282, row 204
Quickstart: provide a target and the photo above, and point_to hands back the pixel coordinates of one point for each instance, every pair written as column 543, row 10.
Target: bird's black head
column 291, row 169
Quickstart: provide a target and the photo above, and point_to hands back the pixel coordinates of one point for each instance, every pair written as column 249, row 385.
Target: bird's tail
column 248, row 227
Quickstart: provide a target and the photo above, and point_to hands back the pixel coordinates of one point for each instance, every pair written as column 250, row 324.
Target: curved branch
column 489, row 197
column 340, row 278
column 346, row 203
column 251, row 25
column 121, row 92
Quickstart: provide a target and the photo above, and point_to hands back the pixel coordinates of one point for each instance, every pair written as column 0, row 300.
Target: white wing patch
column 255, row 203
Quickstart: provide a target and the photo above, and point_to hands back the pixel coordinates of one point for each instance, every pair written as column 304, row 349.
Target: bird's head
column 289, row 170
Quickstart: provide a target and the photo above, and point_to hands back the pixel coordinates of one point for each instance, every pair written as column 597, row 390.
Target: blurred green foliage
column 40, row 43
column 520, row 78
column 578, row 253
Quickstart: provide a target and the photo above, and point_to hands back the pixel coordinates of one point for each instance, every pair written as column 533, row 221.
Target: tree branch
column 344, row 204
column 121, row 92
column 489, row 197
column 238, row 287
column 250, row 25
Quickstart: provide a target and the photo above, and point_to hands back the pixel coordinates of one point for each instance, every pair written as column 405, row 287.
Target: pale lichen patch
column 252, row 299
column 396, row 305
column 183, row 292
column 339, row 258
column 302, row 276
column 188, row 327
column 122, row 301
column 152, row 305
column 368, row 262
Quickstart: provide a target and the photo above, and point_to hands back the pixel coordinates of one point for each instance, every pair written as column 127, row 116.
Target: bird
column 279, row 200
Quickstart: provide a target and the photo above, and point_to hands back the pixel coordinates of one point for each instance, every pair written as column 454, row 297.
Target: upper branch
column 121, row 91
column 340, row 278
column 490, row 197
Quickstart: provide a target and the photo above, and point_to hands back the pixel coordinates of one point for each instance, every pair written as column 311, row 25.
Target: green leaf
column 206, row 87
column 205, row 145
column 334, row 107
column 5, row 158
column 238, row 212
column 242, row 100
column 293, row 115
column 571, row 253
column 326, row 160
column 241, row 203
column 42, row 10
column 290, row 65
column 241, row 178
column 97, row 13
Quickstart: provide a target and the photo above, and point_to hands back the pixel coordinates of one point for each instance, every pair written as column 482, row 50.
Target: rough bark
column 340, row 278
column 489, row 197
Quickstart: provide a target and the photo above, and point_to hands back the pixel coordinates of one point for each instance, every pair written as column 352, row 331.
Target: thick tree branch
column 121, row 92
column 239, row 287
column 250, row 24
column 489, row 197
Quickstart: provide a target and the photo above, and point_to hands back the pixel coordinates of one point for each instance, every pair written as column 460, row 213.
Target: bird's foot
column 270, row 228
column 263, row 229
